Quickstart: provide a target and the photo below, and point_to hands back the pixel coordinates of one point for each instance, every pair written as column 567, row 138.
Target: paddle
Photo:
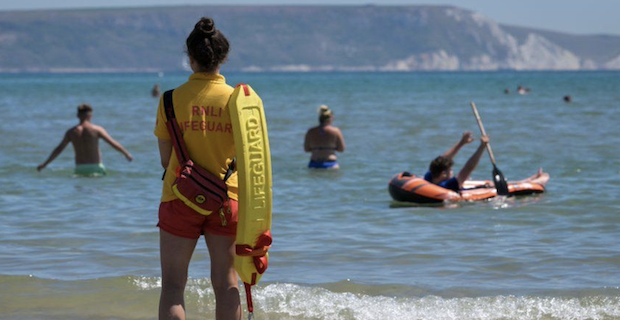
column 498, row 176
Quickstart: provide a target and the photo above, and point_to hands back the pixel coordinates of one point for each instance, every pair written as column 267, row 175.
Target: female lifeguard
column 214, row 150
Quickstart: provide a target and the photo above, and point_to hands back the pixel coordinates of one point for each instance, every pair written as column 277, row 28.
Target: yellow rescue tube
column 254, row 168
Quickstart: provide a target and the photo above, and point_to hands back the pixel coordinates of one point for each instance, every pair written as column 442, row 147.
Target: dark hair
column 207, row 45
column 439, row 165
column 84, row 108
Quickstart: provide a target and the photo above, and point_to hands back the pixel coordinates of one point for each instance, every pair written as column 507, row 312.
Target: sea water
column 87, row 248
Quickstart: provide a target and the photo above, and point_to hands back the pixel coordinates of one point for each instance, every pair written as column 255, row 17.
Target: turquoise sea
column 87, row 248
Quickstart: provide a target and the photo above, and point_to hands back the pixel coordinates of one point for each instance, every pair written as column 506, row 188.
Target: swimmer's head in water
column 84, row 111
column 325, row 114
column 441, row 167
column 207, row 45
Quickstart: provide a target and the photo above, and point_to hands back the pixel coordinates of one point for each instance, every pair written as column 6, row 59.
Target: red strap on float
column 248, row 296
column 246, row 90
column 258, row 252
column 260, row 262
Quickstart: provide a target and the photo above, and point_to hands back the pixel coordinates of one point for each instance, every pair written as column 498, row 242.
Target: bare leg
column 535, row 176
column 540, row 177
column 176, row 252
column 224, row 277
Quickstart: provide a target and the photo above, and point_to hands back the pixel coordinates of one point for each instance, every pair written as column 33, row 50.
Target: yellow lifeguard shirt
column 200, row 107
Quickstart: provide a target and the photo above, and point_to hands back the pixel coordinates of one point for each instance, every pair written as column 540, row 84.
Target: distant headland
column 293, row 38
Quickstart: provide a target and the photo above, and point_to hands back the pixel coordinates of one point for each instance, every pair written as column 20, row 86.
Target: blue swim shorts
column 323, row 164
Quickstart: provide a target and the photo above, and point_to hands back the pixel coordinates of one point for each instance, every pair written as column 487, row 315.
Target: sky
column 571, row 16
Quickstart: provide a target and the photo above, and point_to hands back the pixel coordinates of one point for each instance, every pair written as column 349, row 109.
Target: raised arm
column 107, row 138
column 472, row 162
column 465, row 139
column 58, row 150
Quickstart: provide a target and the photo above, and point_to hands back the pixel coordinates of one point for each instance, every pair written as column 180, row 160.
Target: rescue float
column 253, row 238
column 411, row 188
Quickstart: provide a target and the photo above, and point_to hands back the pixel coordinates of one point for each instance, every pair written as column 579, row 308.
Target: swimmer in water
column 85, row 140
column 521, row 90
column 155, row 92
column 323, row 141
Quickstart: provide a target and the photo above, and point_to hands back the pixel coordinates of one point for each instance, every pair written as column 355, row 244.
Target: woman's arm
column 340, row 146
column 165, row 150
column 307, row 142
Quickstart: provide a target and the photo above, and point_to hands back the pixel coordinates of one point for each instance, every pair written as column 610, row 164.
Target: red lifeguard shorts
column 180, row 220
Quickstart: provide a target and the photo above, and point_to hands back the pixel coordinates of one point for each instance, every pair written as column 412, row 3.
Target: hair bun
column 206, row 26
column 324, row 110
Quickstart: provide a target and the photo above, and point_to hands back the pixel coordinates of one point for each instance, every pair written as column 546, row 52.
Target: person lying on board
column 440, row 169
column 323, row 141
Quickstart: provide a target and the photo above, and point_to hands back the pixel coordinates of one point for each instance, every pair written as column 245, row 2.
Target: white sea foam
column 292, row 301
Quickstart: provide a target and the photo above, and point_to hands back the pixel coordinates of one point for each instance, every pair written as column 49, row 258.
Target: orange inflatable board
column 410, row 188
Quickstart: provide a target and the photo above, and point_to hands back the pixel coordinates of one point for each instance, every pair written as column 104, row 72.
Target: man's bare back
column 85, row 140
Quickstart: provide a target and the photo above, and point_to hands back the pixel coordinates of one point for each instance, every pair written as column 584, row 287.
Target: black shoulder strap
column 173, row 129
column 168, row 105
